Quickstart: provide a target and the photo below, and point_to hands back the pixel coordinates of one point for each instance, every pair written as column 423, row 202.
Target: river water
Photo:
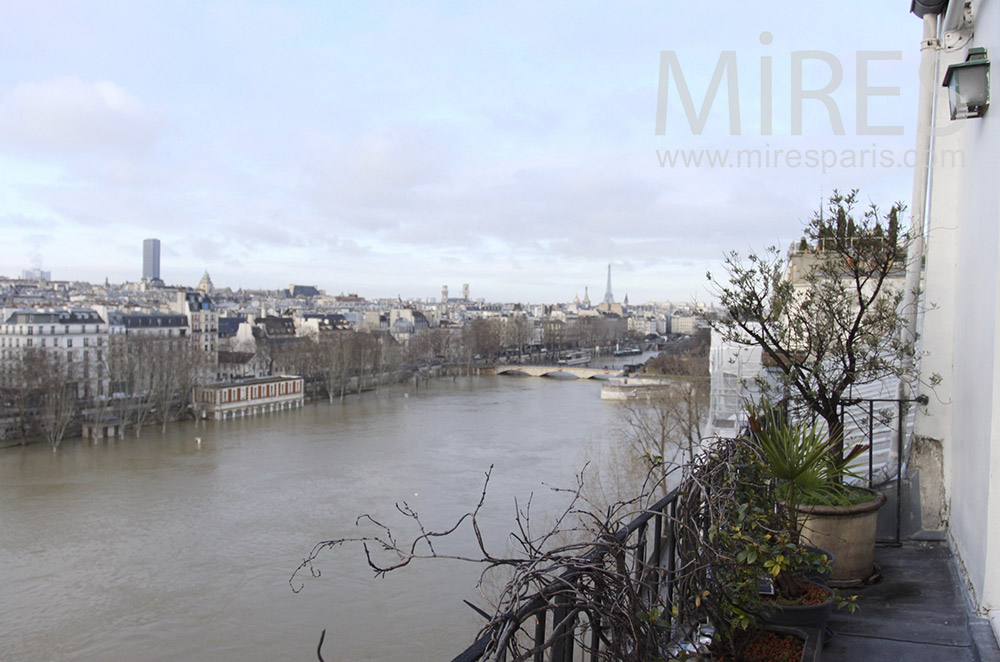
column 162, row 548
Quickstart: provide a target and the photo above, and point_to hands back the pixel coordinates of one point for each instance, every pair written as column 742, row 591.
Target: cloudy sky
column 392, row 147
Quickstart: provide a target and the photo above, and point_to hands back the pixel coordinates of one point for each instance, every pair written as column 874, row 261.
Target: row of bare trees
column 150, row 379
column 39, row 393
column 489, row 337
column 138, row 380
column 134, row 381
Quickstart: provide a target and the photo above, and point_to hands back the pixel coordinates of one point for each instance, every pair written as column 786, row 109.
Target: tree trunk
column 836, row 428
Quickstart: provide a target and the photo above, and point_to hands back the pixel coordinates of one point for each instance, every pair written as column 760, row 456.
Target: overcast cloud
column 391, row 148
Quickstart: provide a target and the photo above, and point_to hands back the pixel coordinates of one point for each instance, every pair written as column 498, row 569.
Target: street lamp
column 968, row 85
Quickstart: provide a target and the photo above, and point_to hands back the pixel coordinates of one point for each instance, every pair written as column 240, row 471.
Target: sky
column 390, row 148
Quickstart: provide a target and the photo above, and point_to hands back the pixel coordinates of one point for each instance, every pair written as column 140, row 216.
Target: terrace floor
column 918, row 612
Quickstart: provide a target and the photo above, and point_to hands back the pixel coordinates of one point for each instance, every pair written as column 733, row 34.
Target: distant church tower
column 206, row 283
column 608, row 296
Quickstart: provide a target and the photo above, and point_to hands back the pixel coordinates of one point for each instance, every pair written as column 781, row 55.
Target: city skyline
column 150, row 275
column 398, row 148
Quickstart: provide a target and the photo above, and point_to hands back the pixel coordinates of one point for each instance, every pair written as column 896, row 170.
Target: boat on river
column 574, row 358
column 632, row 388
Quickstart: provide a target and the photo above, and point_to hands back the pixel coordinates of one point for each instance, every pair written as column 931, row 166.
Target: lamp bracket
column 960, row 36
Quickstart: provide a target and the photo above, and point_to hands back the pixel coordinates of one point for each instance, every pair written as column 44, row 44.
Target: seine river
column 163, row 548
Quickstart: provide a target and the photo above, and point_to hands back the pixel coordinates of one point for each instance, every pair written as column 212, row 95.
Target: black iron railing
column 556, row 627
column 868, row 405
column 554, row 624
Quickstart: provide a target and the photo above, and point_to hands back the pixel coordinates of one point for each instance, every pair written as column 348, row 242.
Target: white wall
column 961, row 331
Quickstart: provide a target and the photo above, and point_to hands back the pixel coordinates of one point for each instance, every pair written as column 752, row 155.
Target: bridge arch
column 579, row 372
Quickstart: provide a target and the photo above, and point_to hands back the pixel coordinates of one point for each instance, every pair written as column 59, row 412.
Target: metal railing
column 860, row 427
column 901, row 406
column 556, row 626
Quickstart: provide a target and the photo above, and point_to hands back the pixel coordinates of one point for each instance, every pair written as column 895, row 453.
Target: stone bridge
column 580, row 372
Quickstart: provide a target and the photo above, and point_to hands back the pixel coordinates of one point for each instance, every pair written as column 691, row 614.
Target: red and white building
column 249, row 398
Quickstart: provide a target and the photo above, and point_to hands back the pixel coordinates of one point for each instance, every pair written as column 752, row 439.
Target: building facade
column 203, row 325
column 249, row 398
column 76, row 338
column 957, row 435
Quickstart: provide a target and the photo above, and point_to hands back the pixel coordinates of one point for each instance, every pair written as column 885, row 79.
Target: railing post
column 871, row 442
column 539, row 636
column 671, row 557
column 595, row 639
column 640, row 553
column 901, row 427
column 561, row 602
column 657, row 552
column 562, row 630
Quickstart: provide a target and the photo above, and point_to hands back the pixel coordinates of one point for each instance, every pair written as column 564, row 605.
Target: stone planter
column 848, row 532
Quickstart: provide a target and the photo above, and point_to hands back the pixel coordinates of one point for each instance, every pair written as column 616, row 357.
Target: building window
column 29, row 342
column 69, row 343
column 86, row 342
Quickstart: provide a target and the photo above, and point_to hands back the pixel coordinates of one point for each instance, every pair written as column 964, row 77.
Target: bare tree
column 667, row 425
column 330, row 361
column 44, row 385
column 133, row 373
column 575, row 563
column 518, row 332
column 176, row 366
column 693, row 593
column 486, row 337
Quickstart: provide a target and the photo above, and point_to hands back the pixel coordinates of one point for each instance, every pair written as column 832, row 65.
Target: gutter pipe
column 919, row 210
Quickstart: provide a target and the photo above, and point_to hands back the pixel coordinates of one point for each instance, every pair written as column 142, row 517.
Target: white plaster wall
column 962, row 335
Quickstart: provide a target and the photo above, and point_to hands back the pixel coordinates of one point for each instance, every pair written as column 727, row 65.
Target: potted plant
column 820, row 507
column 828, row 321
column 741, row 570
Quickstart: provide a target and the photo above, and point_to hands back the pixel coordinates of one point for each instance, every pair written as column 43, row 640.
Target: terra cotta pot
column 849, row 533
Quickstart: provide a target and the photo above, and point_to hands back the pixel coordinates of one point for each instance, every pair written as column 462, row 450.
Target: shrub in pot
column 731, row 541
column 812, row 483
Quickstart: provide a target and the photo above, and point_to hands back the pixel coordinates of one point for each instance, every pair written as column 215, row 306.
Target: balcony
column 914, row 609
column 918, row 612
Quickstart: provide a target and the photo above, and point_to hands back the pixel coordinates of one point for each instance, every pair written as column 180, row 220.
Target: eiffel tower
column 608, row 296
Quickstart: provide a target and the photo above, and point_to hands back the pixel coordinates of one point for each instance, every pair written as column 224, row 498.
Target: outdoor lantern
column 968, row 85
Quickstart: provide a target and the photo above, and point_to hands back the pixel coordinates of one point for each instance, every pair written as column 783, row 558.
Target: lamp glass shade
column 968, row 86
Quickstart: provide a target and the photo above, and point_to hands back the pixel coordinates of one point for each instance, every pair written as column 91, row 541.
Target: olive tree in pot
column 828, row 319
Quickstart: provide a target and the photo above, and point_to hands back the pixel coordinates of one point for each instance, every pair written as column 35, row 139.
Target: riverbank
column 354, row 386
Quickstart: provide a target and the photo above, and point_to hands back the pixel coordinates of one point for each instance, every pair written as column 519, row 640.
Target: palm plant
column 799, row 457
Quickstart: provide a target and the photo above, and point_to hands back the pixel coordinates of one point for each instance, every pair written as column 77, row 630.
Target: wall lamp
column 968, row 85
